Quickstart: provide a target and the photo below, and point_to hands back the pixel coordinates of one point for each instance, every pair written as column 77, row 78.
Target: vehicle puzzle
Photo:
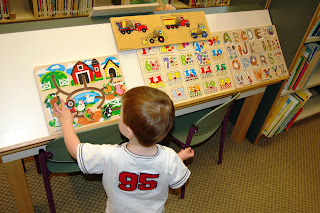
column 159, row 29
column 91, row 88
column 227, row 61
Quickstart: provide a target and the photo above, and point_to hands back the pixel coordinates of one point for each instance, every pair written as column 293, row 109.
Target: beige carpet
column 281, row 174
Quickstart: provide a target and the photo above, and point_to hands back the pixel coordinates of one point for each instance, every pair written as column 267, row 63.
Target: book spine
column 300, row 76
column 312, row 72
column 293, row 119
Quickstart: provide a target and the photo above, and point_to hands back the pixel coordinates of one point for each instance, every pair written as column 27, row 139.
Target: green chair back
column 210, row 123
column 104, row 135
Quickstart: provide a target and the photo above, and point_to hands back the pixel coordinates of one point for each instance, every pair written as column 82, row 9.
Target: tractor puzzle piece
column 156, row 35
column 201, row 31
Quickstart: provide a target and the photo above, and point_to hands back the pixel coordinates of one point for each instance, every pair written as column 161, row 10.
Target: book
column 302, row 61
column 313, row 47
column 297, row 102
column 312, row 66
column 284, row 109
column 282, row 122
column 314, row 69
column 315, row 28
column 295, row 68
column 274, row 114
column 293, row 119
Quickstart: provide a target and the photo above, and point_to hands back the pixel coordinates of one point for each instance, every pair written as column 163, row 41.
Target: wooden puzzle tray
column 135, row 32
column 228, row 61
column 91, row 88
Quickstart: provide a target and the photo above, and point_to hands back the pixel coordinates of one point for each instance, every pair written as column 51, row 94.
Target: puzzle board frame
column 135, row 32
column 91, row 88
column 235, row 59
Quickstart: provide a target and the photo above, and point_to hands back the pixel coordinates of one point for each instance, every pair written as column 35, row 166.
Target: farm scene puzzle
column 227, row 61
column 91, row 88
column 135, row 32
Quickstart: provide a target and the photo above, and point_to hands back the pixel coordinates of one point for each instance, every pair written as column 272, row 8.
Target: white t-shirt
column 133, row 183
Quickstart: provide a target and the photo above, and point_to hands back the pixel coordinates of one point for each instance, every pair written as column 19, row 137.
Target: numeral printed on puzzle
column 170, row 62
column 215, row 40
column 156, row 81
column 194, row 90
column 206, row 72
column 199, row 46
column 167, row 49
column 190, row 74
column 186, row 59
column 174, row 78
column 178, row 94
column 183, row 46
column 217, row 53
column 220, row 69
column 203, row 58
column 209, row 87
column 148, row 51
column 151, row 65
column 225, row 83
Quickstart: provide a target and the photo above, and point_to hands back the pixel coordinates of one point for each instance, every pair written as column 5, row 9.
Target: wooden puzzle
column 185, row 71
column 229, row 60
column 254, row 54
column 91, row 88
column 135, row 32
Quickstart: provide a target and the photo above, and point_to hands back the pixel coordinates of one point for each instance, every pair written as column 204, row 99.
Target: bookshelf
column 293, row 22
column 312, row 106
column 23, row 10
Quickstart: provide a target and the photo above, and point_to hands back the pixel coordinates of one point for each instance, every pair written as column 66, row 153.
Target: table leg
column 19, row 186
column 245, row 117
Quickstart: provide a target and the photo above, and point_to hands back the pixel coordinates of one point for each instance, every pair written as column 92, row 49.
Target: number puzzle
column 185, row 71
column 135, row 32
column 91, row 88
column 228, row 61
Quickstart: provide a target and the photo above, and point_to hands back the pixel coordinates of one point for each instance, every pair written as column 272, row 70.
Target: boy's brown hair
column 149, row 112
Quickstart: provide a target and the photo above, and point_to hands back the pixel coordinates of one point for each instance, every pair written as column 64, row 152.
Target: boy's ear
column 130, row 132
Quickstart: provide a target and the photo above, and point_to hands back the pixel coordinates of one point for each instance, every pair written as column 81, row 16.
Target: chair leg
column 223, row 133
column 183, row 191
column 44, row 156
column 36, row 159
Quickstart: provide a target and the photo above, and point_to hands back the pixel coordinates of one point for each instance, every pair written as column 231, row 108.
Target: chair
column 56, row 159
column 194, row 128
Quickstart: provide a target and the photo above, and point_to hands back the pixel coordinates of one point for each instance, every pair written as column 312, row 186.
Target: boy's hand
column 64, row 115
column 186, row 153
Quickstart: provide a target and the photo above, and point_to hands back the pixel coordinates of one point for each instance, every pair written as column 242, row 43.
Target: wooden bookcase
column 23, row 10
column 312, row 107
column 293, row 24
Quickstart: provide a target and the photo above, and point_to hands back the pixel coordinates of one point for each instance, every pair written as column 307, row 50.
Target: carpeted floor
column 281, row 174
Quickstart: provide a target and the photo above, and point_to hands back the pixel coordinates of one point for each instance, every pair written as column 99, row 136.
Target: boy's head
column 149, row 113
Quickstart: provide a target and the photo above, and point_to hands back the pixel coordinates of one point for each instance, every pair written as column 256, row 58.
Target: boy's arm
column 186, row 153
column 66, row 119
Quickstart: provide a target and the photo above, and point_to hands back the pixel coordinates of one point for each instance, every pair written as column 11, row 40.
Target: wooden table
column 23, row 127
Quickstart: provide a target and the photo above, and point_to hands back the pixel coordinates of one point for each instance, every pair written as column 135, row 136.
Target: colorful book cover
column 274, row 114
column 289, row 112
column 280, row 119
column 293, row 119
column 314, row 69
column 313, row 47
column 312, row 65
column 302, row 61
column 295, row 68
column 290, row 116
